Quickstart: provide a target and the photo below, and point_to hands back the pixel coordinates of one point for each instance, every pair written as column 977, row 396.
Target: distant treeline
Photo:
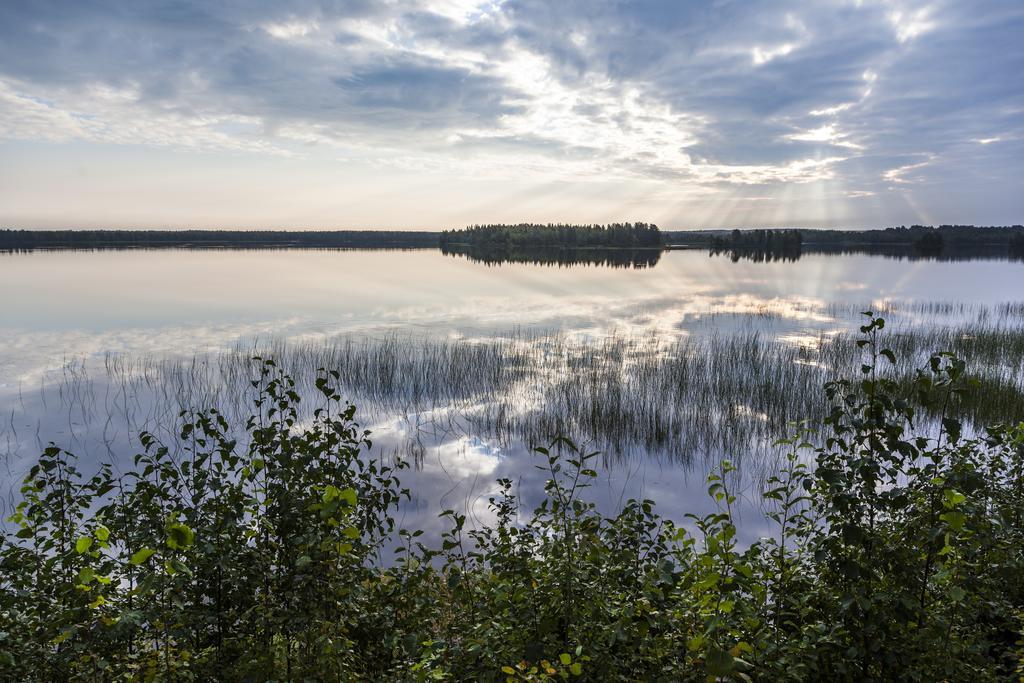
column 951, row 235
column 921, row 235
column 613, row 235
column 945, row 242
column 119, row 239
column 557, row 256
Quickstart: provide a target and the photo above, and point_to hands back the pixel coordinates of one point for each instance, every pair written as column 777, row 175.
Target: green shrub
column 897, row 556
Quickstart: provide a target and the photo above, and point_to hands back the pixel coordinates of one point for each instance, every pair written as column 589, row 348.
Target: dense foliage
column 896, row 555
column 1017, row 244
column 613, row 235
column 125, row 239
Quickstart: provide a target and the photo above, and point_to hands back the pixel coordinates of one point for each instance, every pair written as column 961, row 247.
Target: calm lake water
column 95, row 346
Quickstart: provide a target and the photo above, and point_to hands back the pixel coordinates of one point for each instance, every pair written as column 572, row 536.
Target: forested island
column 557, row 235
column 618, row 245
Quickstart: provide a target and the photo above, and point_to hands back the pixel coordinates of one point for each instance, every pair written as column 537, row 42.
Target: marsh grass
column 676, row 397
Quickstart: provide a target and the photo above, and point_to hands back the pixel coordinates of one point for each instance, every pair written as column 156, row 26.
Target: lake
column 460, row 365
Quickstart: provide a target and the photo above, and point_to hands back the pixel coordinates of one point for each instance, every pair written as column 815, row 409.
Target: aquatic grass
column 674, row 397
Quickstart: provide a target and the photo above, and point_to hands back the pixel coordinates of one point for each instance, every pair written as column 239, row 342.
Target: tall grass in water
column 681, row 396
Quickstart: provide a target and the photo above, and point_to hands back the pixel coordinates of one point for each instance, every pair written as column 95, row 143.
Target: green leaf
column 954, row 519
column 141, row 556
column 349, row 496
column 718, row 662
column 179, row 536
column 102, row 533
column 565, row 659
column 83, row 544
column 953, row 497
column 62, row 637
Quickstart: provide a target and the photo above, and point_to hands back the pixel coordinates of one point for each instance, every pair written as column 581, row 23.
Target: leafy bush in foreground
column 896, row 557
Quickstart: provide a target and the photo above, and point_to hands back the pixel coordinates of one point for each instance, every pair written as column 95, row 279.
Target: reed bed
column 712, row 394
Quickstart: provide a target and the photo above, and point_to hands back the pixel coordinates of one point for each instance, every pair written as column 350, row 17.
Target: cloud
column 900, row 174
column 828, row 134
column 659, row 95
column 290, row 30
column 762, row 55
column 106, row 114
column 911, row 24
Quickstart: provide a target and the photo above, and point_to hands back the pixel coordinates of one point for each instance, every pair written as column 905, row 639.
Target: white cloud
column 831, row 111
column 899, row 175
column 291, row 30
column 909, row 24
column 462, row 11
column 797, row 171
column 763, row 55
column 828, row 134
column 23, row 117
column 102, row 113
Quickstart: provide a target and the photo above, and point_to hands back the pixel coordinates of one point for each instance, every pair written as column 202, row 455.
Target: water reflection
column 789, row 253
column 457, row 456
column 792, row 253
column 565, row 258
column 460, row 365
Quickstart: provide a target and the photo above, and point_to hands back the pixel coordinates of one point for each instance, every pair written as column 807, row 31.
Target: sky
column 434, row 114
